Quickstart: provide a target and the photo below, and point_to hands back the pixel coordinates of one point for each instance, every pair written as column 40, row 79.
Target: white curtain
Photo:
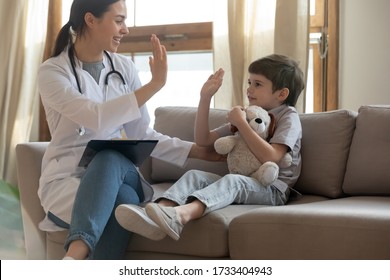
column 245, row 30
column 23, row 29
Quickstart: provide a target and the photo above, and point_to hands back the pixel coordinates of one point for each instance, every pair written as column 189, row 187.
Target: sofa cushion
column 326, row 138
column 202, row 238
column 368, row 168
column 166, row 122
column 345, row 228
column 207, row 237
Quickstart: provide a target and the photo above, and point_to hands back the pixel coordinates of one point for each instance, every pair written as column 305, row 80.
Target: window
column 157, row 12
column 187, row 36
column 322, row 86
column 187, row 73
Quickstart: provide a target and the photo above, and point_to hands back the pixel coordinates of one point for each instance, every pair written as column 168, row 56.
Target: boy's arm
column 203, row 136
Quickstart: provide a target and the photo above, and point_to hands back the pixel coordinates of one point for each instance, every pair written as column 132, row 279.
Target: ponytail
column 64, row 38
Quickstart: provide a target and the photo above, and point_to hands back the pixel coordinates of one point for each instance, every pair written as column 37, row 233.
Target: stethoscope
column 81, row 130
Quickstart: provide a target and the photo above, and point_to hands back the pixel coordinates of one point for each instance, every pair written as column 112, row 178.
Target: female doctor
column 90, row 92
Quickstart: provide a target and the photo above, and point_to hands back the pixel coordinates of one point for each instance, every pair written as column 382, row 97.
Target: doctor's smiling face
column 99, row 25
column 111, row 27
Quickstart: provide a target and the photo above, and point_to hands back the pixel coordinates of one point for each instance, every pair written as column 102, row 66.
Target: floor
column 11, row 227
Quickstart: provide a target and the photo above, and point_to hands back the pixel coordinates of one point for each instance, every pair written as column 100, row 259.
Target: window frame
column 326, row 70
column 184, row 37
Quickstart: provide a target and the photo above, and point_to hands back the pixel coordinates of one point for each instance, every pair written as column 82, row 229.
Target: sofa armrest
column 29, row 160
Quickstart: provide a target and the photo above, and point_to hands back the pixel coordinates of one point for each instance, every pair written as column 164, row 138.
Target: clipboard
column 135, row 150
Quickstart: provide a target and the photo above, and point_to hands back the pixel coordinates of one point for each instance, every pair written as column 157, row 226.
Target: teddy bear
column 241, row 160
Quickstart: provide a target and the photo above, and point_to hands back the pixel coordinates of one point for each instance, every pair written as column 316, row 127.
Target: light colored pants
column 217, row 192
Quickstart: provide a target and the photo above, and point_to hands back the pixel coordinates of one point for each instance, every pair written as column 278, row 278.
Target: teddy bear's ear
column 272, row 126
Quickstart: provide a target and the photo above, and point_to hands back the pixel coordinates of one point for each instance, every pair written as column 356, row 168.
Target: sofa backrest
column 326, row 140
column 337, row 160
column 179, row 122
column 325, row 147
column 368, row 168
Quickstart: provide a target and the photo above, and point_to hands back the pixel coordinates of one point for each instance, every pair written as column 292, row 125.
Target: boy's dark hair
column 283, row 72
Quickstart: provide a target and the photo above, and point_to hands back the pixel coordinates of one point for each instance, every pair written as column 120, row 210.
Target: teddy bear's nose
column 258, row 120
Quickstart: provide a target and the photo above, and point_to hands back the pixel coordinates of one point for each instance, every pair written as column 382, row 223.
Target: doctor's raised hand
column 159, row 69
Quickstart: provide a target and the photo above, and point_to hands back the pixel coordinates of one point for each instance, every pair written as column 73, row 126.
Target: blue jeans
column 110, row 179
column 217, row 192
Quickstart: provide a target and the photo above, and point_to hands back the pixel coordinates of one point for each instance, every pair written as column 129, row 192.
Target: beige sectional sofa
column 343, row 212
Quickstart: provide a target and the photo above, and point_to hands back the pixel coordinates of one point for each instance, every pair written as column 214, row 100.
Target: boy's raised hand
column 211, row 86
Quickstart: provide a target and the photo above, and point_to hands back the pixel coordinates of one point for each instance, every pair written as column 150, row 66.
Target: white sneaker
column 134, row 219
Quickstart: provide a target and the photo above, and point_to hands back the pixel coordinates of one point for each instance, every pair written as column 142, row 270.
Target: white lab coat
column 67, row 111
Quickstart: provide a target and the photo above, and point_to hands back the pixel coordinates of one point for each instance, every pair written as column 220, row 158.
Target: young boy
column 275, row 83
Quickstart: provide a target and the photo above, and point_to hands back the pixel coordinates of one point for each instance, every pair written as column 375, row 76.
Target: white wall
column 364, row 53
